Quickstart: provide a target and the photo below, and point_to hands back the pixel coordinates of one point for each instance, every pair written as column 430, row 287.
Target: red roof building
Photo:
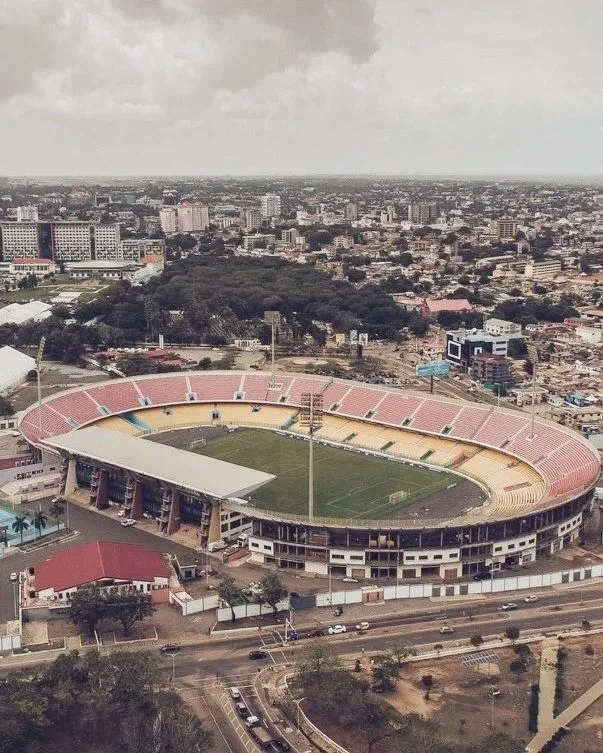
column 103, row 563
column 431, row 307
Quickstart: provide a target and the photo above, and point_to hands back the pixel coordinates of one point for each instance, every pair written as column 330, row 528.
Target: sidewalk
column 547, row 681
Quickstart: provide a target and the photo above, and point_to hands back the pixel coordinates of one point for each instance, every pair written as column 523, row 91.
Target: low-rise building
column 489, row 368
column 502, row 327
column 463, row 345
column 543, row 270
column 431, row 307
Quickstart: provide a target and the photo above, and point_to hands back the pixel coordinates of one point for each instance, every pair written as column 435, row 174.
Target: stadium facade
column 539, row 482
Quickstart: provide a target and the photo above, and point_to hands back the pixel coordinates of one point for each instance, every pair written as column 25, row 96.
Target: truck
column 262, row 737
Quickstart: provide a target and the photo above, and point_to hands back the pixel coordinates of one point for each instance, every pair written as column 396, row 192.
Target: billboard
column 353, row 336
column 434, row 368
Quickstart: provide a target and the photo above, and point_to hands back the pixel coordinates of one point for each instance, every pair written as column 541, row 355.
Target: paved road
column 92, row 527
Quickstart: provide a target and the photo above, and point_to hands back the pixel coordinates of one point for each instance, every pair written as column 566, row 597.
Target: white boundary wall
column 249, row 610
column 432, row 590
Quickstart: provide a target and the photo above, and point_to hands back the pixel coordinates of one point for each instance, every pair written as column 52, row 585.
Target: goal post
column 399, row 496
column 197, row 443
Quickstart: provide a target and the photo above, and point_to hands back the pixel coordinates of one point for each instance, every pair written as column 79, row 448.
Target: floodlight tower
column 272, row 318
column 534, row 356
column 38, row 369
column 311, row 416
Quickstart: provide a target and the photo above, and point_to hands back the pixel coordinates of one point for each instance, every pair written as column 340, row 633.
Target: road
column 92, row 527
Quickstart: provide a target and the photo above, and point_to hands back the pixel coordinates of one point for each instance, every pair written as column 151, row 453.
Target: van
column 242, row 539
column 235, row 693
column 216, row 546
column 242, row 710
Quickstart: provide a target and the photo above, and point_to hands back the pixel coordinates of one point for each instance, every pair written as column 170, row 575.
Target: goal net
column 398, row 497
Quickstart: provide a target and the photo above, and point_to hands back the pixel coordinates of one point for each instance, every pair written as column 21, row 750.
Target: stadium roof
column 14, row 366
column 169, row 464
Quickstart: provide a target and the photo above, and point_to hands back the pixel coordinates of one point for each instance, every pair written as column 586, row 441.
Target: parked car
column 318, row 633
column 281, row 744
column 257, row 654
column 351, row 580
column 170, row 648
column 121, row 514
column 337, row 629
column 252, row 721
column 482, row 575
column 494, row 692
column 508, row 606
column 235, row 693
column 446, row 629
column 529, row 598
column 337, row 611
column 362, row 626
column 14, row 577
column 242, row 710
column 128, row 522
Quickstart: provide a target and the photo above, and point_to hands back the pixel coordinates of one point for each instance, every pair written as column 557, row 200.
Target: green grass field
column 346, row 484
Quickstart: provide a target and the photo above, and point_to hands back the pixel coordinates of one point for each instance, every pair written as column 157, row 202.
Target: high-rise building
column 289, row 236
column 253, row 219
column 135, row 249
column 192, row 218
column 71, row 241
column 505, row 228
column 27, row 214
column 351, row 211
column 423, row 212
column 107, row 242
column 271, row 205
column 20, row 240
column 168, row 218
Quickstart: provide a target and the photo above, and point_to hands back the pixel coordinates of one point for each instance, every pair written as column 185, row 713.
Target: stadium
column 407, row 485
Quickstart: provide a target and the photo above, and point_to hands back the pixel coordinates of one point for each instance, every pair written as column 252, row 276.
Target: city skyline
column 323, row 87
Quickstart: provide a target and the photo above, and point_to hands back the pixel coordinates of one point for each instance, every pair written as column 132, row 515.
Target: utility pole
column 311, row 416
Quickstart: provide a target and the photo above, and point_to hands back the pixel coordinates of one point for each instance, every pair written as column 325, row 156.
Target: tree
column 6, row 407
column 57, row 509
column 20, row 525
column 316, row 661
column 438, row 647
column 399, row 654
column 427, row 681
column 273, row 591
column 517, row 666
column 512, row 633
column 39, row 521
column 476, row 640
column 133, row 364
column 229, row 592
column 385, row 674
column 88, row 607
column 128, row 607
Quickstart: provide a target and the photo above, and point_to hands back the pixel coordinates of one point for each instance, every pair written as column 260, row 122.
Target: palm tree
column 39, row 521
column 20, row 525
column 57, row 509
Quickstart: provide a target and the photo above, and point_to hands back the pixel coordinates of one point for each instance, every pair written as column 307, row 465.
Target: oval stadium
column 406, row 484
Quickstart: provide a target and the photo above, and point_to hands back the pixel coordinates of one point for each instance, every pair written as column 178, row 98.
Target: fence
column 189, row 605
column 249, row 610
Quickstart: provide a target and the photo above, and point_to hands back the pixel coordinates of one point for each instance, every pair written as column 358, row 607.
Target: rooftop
column 180, row 468
column 97, row 560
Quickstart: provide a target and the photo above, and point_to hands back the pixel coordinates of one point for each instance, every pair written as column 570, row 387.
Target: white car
column 508, row 606
column 128, row 522
column 446, row 629
column 362, row 627
column 14, row 577
column 350, row 580
column 121, row 514
column 529, row 598
column 337, row 629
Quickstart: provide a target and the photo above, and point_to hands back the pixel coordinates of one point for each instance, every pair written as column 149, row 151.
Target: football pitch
column 346, row 484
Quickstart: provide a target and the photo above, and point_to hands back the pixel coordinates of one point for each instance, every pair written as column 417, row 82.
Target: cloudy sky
column 301, row 86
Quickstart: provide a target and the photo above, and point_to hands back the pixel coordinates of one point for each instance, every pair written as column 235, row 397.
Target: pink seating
column 301, row 385
column 280, row 388
column 214, row 387
column 396, row 407
column 255, row 387
column 163, row 391
column 434, row 416
column 334, row 393
column 468, row 421
column 499, row 428
column 359, row 401
column 118, row 397
column 77, row 405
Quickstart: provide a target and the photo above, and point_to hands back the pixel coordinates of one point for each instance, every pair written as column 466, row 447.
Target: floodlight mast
column 311, row 415
column 38, row 368
column 534, row 355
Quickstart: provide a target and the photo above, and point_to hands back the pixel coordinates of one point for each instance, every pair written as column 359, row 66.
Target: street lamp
column 173, row 654
column 297, row 702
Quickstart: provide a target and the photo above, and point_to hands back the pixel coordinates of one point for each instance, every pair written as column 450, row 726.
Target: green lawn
column 346, row 484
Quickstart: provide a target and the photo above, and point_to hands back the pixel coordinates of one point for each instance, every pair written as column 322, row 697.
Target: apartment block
column 20, row 240
column 107, row 242
column 71, row 241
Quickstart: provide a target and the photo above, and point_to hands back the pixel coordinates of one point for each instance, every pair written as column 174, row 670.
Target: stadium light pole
column 38, row 366
column 311, row 416
column 534, row 355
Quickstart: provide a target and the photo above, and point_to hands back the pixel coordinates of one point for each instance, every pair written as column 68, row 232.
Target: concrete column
column 71, row 477
column 215, row 533
column 173, row 523
column 137, row 501
column 102, row 494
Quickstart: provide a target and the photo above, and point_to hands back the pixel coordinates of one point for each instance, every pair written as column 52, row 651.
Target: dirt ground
column 583, row 668
column 459, row 699
column 586, row 735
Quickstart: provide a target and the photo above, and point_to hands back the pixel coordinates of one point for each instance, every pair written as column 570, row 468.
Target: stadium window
column 267, row 547
column 423, row 557
column 498, row 548
column 437, row 556
column 511, row 546
column 255, row 545
column 357, row 557
column 453, row 555
column 522, row 543
column 337, row 556
column 410, row 557
column 224, row 527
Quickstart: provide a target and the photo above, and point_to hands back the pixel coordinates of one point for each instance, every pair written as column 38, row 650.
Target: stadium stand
column 214, row 387
column 434, row 416
column 117, row 397
column 255, row 387
column 359, row 401
column 161, row 391
column 78, row 405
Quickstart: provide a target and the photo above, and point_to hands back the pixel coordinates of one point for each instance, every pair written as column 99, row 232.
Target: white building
column 497, row 327
column 71, row 241
column 107, row 241
column 168, row 217
column 271, row 205
column 27, row 214
column 253, row 219
column 21, row 313
column 192, row 218
column 289, row 236
column 14, row 367
column 28, row 266
column 543, row 270
column 134, row 249
column 20, row 240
